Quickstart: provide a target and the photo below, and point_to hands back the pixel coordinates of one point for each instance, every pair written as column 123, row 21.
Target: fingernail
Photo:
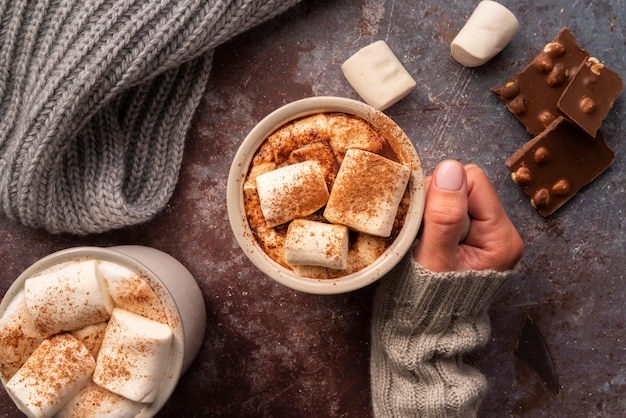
column 449, row 176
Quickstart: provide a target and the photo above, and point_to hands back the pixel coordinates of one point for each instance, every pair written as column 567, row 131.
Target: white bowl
column 173, row 284
column 239, row 169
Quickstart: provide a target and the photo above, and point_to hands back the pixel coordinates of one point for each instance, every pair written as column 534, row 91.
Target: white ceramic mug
column 172, row 282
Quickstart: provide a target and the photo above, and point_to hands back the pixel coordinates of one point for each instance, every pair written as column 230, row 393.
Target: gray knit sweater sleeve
column 423, row 323
column 96, row 97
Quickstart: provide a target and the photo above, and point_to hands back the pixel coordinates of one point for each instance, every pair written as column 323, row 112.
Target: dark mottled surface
column 270, row 351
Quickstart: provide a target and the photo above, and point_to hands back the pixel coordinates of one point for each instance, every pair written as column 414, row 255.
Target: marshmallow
column 320, row 152
column 19, row 336
column 367, row 193
column 316, row 244
column 377, row 75
column 68, row 298
column 52, row 375
column 91, row 336
column 292, row 136
column 487, row 31
column 133, row 357
column 350, row 132
column 132, row 293
column 256, row 170
column 365, row 249
column 291, row 191
column 94, row 401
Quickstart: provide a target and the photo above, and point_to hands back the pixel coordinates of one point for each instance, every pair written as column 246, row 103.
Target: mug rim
column 175, row 369
column 239, row 170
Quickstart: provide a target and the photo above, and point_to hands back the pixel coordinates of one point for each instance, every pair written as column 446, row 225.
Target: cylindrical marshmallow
column 378, row 76
column 367, row 193
column 487, row 31
column 94, row 401
column 134, row 356
column 52, row 375
column 316, row 244
column 19, row 336
column 131, row 292
column 91, row 336
column 291, row 191
column 68, row 298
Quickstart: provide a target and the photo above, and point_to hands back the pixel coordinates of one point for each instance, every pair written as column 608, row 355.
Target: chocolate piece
column 533, row 93
column 532, row 349
column 556, row 164
column 590, row 95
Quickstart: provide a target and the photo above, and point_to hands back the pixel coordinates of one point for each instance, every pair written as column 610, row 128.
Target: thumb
column 445, row 218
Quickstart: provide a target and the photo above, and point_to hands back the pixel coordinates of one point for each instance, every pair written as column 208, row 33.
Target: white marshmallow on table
column 487, row 31
column 292, row 191
column 68, row 298
column 131, row 292
column 94, row 401
column 52, row 375
column 316, row 244
column 377, row 75
column 19, row 336
column 367, row 193
column 134, row 356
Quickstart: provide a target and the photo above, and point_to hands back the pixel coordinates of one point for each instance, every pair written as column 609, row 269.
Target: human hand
column 453, row 192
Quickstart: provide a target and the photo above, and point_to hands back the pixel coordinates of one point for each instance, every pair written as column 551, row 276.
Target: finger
column 445, row 217
column 493, row 241
column 483, row 200
column 468, row 221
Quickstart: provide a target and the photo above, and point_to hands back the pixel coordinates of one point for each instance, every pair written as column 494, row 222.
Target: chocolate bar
column 552, row 167
column 590, row 95
column 533, row 93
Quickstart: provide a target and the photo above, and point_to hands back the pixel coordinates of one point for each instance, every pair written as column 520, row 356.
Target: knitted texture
column 423, row 323
column 96, row 97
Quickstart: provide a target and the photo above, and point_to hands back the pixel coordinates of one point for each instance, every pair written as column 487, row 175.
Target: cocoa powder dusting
column 53, row 366
column 324, row 138
column 358, row 191
column 135, row 295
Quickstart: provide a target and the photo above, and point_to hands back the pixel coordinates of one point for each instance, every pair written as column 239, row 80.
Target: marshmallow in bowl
column 367, row 192
column 378, row 76
column 91, row 336
column 291, row 191
column 346, row 133
column 68, row 298
column 53, row 374
column 487, row 31
column 132, row 355
column 19, row 336
column 131, row 292
column 94, row 401
column 364, row 250
column 316, row 244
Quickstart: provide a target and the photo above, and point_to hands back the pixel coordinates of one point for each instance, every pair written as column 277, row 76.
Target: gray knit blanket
column 96, row 97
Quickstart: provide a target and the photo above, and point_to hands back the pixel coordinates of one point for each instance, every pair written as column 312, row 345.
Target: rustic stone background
column 273, row 352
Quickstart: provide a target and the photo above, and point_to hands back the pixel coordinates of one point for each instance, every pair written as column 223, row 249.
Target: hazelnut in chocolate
column 562, row 97
column 590, row 95
column 533, row 93
column 556, row 164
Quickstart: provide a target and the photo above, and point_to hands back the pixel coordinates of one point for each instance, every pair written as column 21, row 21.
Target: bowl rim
column 110, row 254
column 239, row 169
